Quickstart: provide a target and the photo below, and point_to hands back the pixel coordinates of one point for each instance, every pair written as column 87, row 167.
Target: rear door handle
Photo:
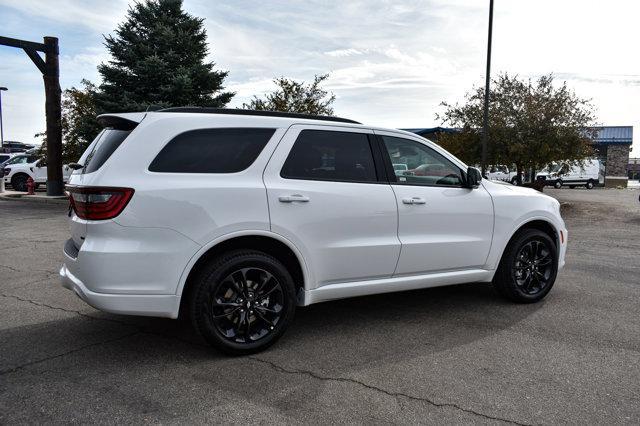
column 293, row 198
column 414, row 200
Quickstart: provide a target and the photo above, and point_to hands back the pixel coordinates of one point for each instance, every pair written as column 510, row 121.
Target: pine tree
column 159, row 58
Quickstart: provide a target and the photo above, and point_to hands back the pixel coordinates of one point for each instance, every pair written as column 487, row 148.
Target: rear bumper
column 127, row 304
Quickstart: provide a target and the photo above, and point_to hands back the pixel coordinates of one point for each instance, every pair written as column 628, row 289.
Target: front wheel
column 528, row 267
column 558, row 184
column 589, row 184
column 243, row 301
column 514, row 181
column 19, row 182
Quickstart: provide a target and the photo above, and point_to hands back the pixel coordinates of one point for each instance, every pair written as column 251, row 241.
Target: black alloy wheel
column 247, row 305
column 533, row 267
column 242, row 301
column 528, row 267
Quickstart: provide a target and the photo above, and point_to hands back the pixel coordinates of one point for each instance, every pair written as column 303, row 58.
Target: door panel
column 347, row 230
column 451, row 227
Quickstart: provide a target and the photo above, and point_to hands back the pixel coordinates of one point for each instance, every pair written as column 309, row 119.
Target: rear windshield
column 101, row 149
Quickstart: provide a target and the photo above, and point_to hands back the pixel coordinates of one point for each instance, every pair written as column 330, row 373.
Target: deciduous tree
column 296, row 96
column 531, row 124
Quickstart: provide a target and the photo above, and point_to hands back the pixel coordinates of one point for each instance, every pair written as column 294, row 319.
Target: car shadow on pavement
column 331, row 336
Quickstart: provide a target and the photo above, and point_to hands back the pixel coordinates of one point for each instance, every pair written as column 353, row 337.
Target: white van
column 564, row 173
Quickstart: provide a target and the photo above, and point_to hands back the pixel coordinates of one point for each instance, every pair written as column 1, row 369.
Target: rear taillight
column 98, row 203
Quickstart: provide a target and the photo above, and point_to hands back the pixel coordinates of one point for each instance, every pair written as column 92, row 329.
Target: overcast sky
column 391, row 62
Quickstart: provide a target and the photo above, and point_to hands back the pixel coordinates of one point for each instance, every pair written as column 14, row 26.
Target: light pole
column 485, row 126
column 2, row 89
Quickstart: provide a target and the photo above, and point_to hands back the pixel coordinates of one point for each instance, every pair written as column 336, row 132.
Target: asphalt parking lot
column 456, row 354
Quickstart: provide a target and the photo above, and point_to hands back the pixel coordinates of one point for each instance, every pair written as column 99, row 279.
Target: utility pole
column 485, row 126
column 50, row 69
column 2, row 89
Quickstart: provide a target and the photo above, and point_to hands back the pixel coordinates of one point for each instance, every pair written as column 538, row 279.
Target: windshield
column 22, row 159
column 101, row 149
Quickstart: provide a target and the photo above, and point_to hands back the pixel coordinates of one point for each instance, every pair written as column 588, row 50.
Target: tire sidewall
column 21, row 179
column 589, row 184
column 558, row 184
column 211, row 279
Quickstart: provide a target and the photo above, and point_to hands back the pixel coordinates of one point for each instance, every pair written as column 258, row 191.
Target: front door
column 327, row 195
column 443, row 226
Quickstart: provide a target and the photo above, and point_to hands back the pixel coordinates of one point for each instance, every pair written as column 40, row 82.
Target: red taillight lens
column 98, row 203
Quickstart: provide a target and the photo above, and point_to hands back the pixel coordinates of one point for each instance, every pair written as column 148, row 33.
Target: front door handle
column 414, row 200
column 293, row 198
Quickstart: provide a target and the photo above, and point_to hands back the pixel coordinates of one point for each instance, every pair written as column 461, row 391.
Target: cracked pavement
column 455, row 354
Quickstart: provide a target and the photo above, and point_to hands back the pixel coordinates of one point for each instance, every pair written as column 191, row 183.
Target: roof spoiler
column 124, row 121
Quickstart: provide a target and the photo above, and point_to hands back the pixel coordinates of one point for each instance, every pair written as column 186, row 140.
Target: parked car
column 564, row 173
column 503, row 173
column 18, row 170
column 14, row 146
column 234, row 218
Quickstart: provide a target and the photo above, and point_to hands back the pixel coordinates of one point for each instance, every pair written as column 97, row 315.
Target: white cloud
column 391, row 62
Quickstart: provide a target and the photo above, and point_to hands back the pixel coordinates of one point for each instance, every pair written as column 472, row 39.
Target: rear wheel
column 589, row 184
column 243, row 302
column 528, row 267
column 19, row 182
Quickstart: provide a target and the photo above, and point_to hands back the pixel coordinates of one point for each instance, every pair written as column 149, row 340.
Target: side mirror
column 473, row 177
column 75, row 166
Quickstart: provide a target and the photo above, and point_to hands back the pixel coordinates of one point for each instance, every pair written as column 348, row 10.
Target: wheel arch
column 268, row 242
column 540, row 223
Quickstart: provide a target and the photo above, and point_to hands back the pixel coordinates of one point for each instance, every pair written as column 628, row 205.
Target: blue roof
column 614, row 135
column 606, row 134
column 425, row 130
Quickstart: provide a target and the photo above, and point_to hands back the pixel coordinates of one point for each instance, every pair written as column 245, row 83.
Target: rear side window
column 327, row 155
column 105, row 144
column 225, row 150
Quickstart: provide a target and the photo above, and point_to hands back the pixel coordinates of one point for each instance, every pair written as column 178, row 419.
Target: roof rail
column 233, row 111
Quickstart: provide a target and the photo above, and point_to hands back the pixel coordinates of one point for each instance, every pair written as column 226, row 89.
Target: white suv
column 235, row 217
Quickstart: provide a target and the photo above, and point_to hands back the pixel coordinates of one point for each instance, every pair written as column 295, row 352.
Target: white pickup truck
column 501, row 172
column 18, row 170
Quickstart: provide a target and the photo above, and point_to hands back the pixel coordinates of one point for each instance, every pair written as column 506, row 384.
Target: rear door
column 443, row 226
column 327, row 194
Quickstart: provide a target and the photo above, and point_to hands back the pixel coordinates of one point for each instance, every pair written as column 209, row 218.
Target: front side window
column 223, row 150
column 329, row 155
column 417, row 164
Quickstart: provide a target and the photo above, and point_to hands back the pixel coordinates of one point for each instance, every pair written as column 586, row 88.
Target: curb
column 34, row 199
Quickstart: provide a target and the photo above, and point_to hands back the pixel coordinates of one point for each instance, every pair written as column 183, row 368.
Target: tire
column 572, row 186
column 242, row 323
column 589, row 184
column 517, row 277
column 19, row 182
column 514, row 181
column 558, row 184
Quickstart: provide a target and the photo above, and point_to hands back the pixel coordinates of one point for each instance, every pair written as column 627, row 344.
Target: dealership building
column 612, row 145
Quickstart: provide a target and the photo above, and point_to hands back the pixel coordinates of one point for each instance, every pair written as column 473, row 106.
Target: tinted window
column 326, row 155
column 4, row 158
column 417, row 164
column 227, row 150
column 106, row 143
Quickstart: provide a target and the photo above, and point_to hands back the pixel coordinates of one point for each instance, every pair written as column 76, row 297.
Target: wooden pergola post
column 50, row 69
